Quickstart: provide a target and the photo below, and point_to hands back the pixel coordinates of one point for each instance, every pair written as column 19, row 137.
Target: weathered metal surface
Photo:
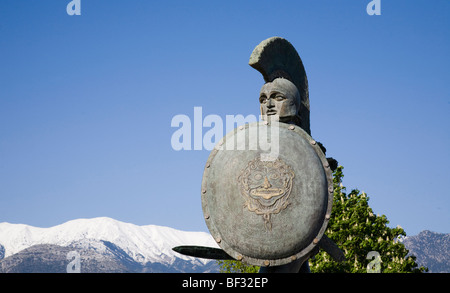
column 266, row 210
column 332, row 249
column 275, row 57
column 202, row 252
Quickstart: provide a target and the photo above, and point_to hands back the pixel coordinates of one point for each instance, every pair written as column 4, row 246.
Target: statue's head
column 280, row 97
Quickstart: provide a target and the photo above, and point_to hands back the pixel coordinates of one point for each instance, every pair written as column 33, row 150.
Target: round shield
column 267, row 192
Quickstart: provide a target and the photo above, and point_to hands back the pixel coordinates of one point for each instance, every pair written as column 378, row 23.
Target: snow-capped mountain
column 138, row 248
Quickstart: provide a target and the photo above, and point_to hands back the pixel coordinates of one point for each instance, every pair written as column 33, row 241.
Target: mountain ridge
column 106, row 245
column 431, row 249
column 140, row 248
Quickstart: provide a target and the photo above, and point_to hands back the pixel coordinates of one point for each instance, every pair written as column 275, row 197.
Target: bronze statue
column 280, row 97
column 271, row 213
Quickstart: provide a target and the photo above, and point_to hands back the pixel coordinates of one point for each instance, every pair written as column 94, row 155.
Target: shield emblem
column 267, row 193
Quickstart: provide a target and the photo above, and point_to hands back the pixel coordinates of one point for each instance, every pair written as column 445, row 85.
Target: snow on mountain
column 143, row 244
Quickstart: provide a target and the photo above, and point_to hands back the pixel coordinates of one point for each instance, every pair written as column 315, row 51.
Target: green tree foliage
column 368, row 243
column 231, row 266
column 355, row 228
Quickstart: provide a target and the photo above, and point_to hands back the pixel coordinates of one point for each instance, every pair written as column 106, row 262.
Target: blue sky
column 86, row 102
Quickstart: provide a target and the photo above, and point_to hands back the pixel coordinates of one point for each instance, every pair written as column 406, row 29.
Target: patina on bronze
column 276, row 58
column 263, row 196
column 267, row 212
column 203, row 252
column 271, row 209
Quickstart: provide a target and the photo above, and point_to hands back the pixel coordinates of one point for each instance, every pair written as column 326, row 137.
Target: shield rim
column 302, row 254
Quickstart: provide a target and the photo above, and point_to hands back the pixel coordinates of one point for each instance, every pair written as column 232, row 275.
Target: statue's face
column 280, row 97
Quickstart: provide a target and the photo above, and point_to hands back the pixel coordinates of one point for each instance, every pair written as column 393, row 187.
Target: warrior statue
column 279, row 63
column 271, row 213
column 285, row 94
